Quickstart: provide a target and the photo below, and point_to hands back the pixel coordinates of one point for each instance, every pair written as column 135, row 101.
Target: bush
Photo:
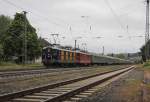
column 147, row 64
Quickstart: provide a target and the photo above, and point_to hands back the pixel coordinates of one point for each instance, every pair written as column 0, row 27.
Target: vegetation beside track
column 146, row 81
column 146, row 86
column 146, row 64
column 13, row 67
column 134, row 85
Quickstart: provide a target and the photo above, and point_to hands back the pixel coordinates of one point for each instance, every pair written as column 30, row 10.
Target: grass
column 146, row 68
column 134, row 93
column 7, row 66
column 146, row 64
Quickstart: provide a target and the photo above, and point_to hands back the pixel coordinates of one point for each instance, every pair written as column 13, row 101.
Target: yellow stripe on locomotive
column 66, row 56
column 62, row 56
column 71, row 57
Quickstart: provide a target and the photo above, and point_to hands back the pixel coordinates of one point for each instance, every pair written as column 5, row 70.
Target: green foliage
column 122, row 56
column 14, row 40
column 145, row 51
column 146, row 64
column 1, row 51
column 43, row 42
column 4, row 25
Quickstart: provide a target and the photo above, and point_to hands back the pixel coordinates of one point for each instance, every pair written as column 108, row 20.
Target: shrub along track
column 62, row 90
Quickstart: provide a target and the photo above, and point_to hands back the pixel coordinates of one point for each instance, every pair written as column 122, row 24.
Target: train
column 55, row 56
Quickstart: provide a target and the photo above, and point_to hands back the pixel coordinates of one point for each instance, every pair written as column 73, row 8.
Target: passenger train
column 52, row 55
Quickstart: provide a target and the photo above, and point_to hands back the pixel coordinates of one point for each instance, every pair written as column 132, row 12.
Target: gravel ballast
column 126, row 89
column 22, row 83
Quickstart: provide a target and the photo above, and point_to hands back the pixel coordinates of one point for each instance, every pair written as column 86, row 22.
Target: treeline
column 12, row 35
column 120, row 55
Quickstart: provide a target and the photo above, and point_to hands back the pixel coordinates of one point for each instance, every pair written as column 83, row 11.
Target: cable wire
column 115, row 15
column 17, row 6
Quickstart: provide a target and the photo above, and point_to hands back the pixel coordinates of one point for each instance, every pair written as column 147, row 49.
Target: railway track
column 14, row 74
column 62, row 91
column 11, row 74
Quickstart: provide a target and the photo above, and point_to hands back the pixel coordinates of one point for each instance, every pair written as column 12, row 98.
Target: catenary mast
column 147, row 30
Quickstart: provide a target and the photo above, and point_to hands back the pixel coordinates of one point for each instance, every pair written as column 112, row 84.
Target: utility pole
column 103, row 50
column 76, row 42
column 128, row 32
column 25, row 38
column 147, row 30
column 75, row 46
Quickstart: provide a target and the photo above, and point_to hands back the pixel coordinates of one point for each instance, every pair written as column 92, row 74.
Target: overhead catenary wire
column 62, row 26
column 118, row 19
column 17, row 6
column 40, row 15
column 132, row 11
column 115, row 15
column 35, row 12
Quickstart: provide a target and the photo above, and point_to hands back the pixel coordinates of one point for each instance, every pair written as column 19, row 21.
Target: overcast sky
column 117, row 22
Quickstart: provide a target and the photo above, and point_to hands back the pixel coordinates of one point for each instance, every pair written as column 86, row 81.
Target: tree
column 5, row 22
column 121, row 55
column 1, row 52
column 14, row 41
column 145, row 51
column 44, row 43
